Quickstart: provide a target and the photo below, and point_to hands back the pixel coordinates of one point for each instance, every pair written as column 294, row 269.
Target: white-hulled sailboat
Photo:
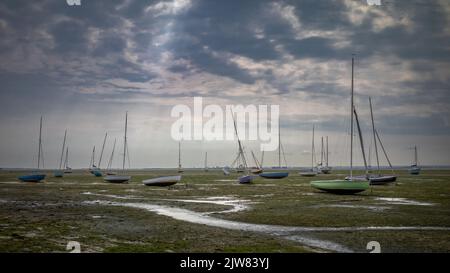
column 66, row 167
column 121, row 178
column 415, row 169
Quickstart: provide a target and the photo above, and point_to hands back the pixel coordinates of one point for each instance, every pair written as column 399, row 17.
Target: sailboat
column 312, row 172
column 180, row 170
column 60, row 172
column 258, row 169
column 66, row 167
column 109, row 170
column 415, row 169
column 92, row 166
column 324, row 156
column 121, row 178
column 246, row 178
column 35, row 176
column 97, row 171
column 206, row 162
column 277, row 175
column 379, row 179
column 350, row 185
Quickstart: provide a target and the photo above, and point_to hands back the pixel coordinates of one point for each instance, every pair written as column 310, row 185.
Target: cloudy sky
column 82, row 67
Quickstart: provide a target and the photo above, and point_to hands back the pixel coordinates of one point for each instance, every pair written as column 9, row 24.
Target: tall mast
column 361, row 142
column 351, row 122
column 279, row 146
column 93, row 157
column 415, row 155
column 374, row 135
column 103, row 148
column 262, row 159
column 312, row 150
column 179, row 155
column 66, row 161
column 327, row 152
column 125, row 141
column 62, row 150
column 241, row 150
column 206, row 160
column 321, row 153
column 112, row 155
column 40, row 143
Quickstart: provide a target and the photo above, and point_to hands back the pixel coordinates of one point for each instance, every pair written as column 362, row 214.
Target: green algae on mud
column 44, row 217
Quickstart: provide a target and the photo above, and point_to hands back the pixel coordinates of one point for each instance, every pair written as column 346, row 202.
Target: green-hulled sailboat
column 351, row 184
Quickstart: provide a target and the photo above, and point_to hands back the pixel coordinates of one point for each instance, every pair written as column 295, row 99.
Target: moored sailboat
column 379, row 178
column 312, row 172
column 415, row 169
column 351, row 185
column 60, row 173
column 277, row 175
column 36, row 176
column 121, row 178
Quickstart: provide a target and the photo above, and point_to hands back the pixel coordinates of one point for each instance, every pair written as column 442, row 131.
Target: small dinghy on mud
column 382, row 179
column 246, row 179
column 164, row 181
column 117, row 178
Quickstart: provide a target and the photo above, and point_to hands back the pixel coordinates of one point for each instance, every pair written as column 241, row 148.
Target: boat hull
column 256, row 171
column 414, row 171
column 117, row 178
column 340, row 186
column 98, row 173
column 274, row 175
column 58, row 174
column 308, row 174
column 246, row 179
column 382, row 180
column 162, row 181
column 32, row 178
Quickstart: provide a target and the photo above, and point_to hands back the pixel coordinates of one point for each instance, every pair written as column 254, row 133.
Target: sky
column 82, row 67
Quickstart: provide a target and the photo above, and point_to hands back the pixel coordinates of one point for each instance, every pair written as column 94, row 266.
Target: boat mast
column 103, row 148
column 351, row 122
column 125, row 141
column 327, row 152
column 321, row 153
column 112, row 155
column 361, row 142
column 66, row 161
column 206, row 161
column 312, row 150
column 262, row 158
column 415, row 155
column 92, row 164
column 179, row 155
column 40, row 143
column 279, row 145
column 374, row 135
column 241, row 150
column 384, row 151
column 63, row 148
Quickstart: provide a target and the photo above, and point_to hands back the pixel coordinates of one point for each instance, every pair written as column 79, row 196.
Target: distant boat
column 92, row 165
column 35, row 176
column 274, row 175
column 60, row 172
column 97, row 171
column 352, row 185
column 226, row 170
column 121, row 178
column 324, row 157
column 180, row 170
column 67, row 169
column 206, row 162
column 312, row 172
column 415, row 169
column 258, row 169
column 277, row 175
column 247, row 178
column 379, row 179
column 162, row 181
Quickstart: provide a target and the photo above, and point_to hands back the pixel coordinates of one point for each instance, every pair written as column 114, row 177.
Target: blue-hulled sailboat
column 35, row 176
